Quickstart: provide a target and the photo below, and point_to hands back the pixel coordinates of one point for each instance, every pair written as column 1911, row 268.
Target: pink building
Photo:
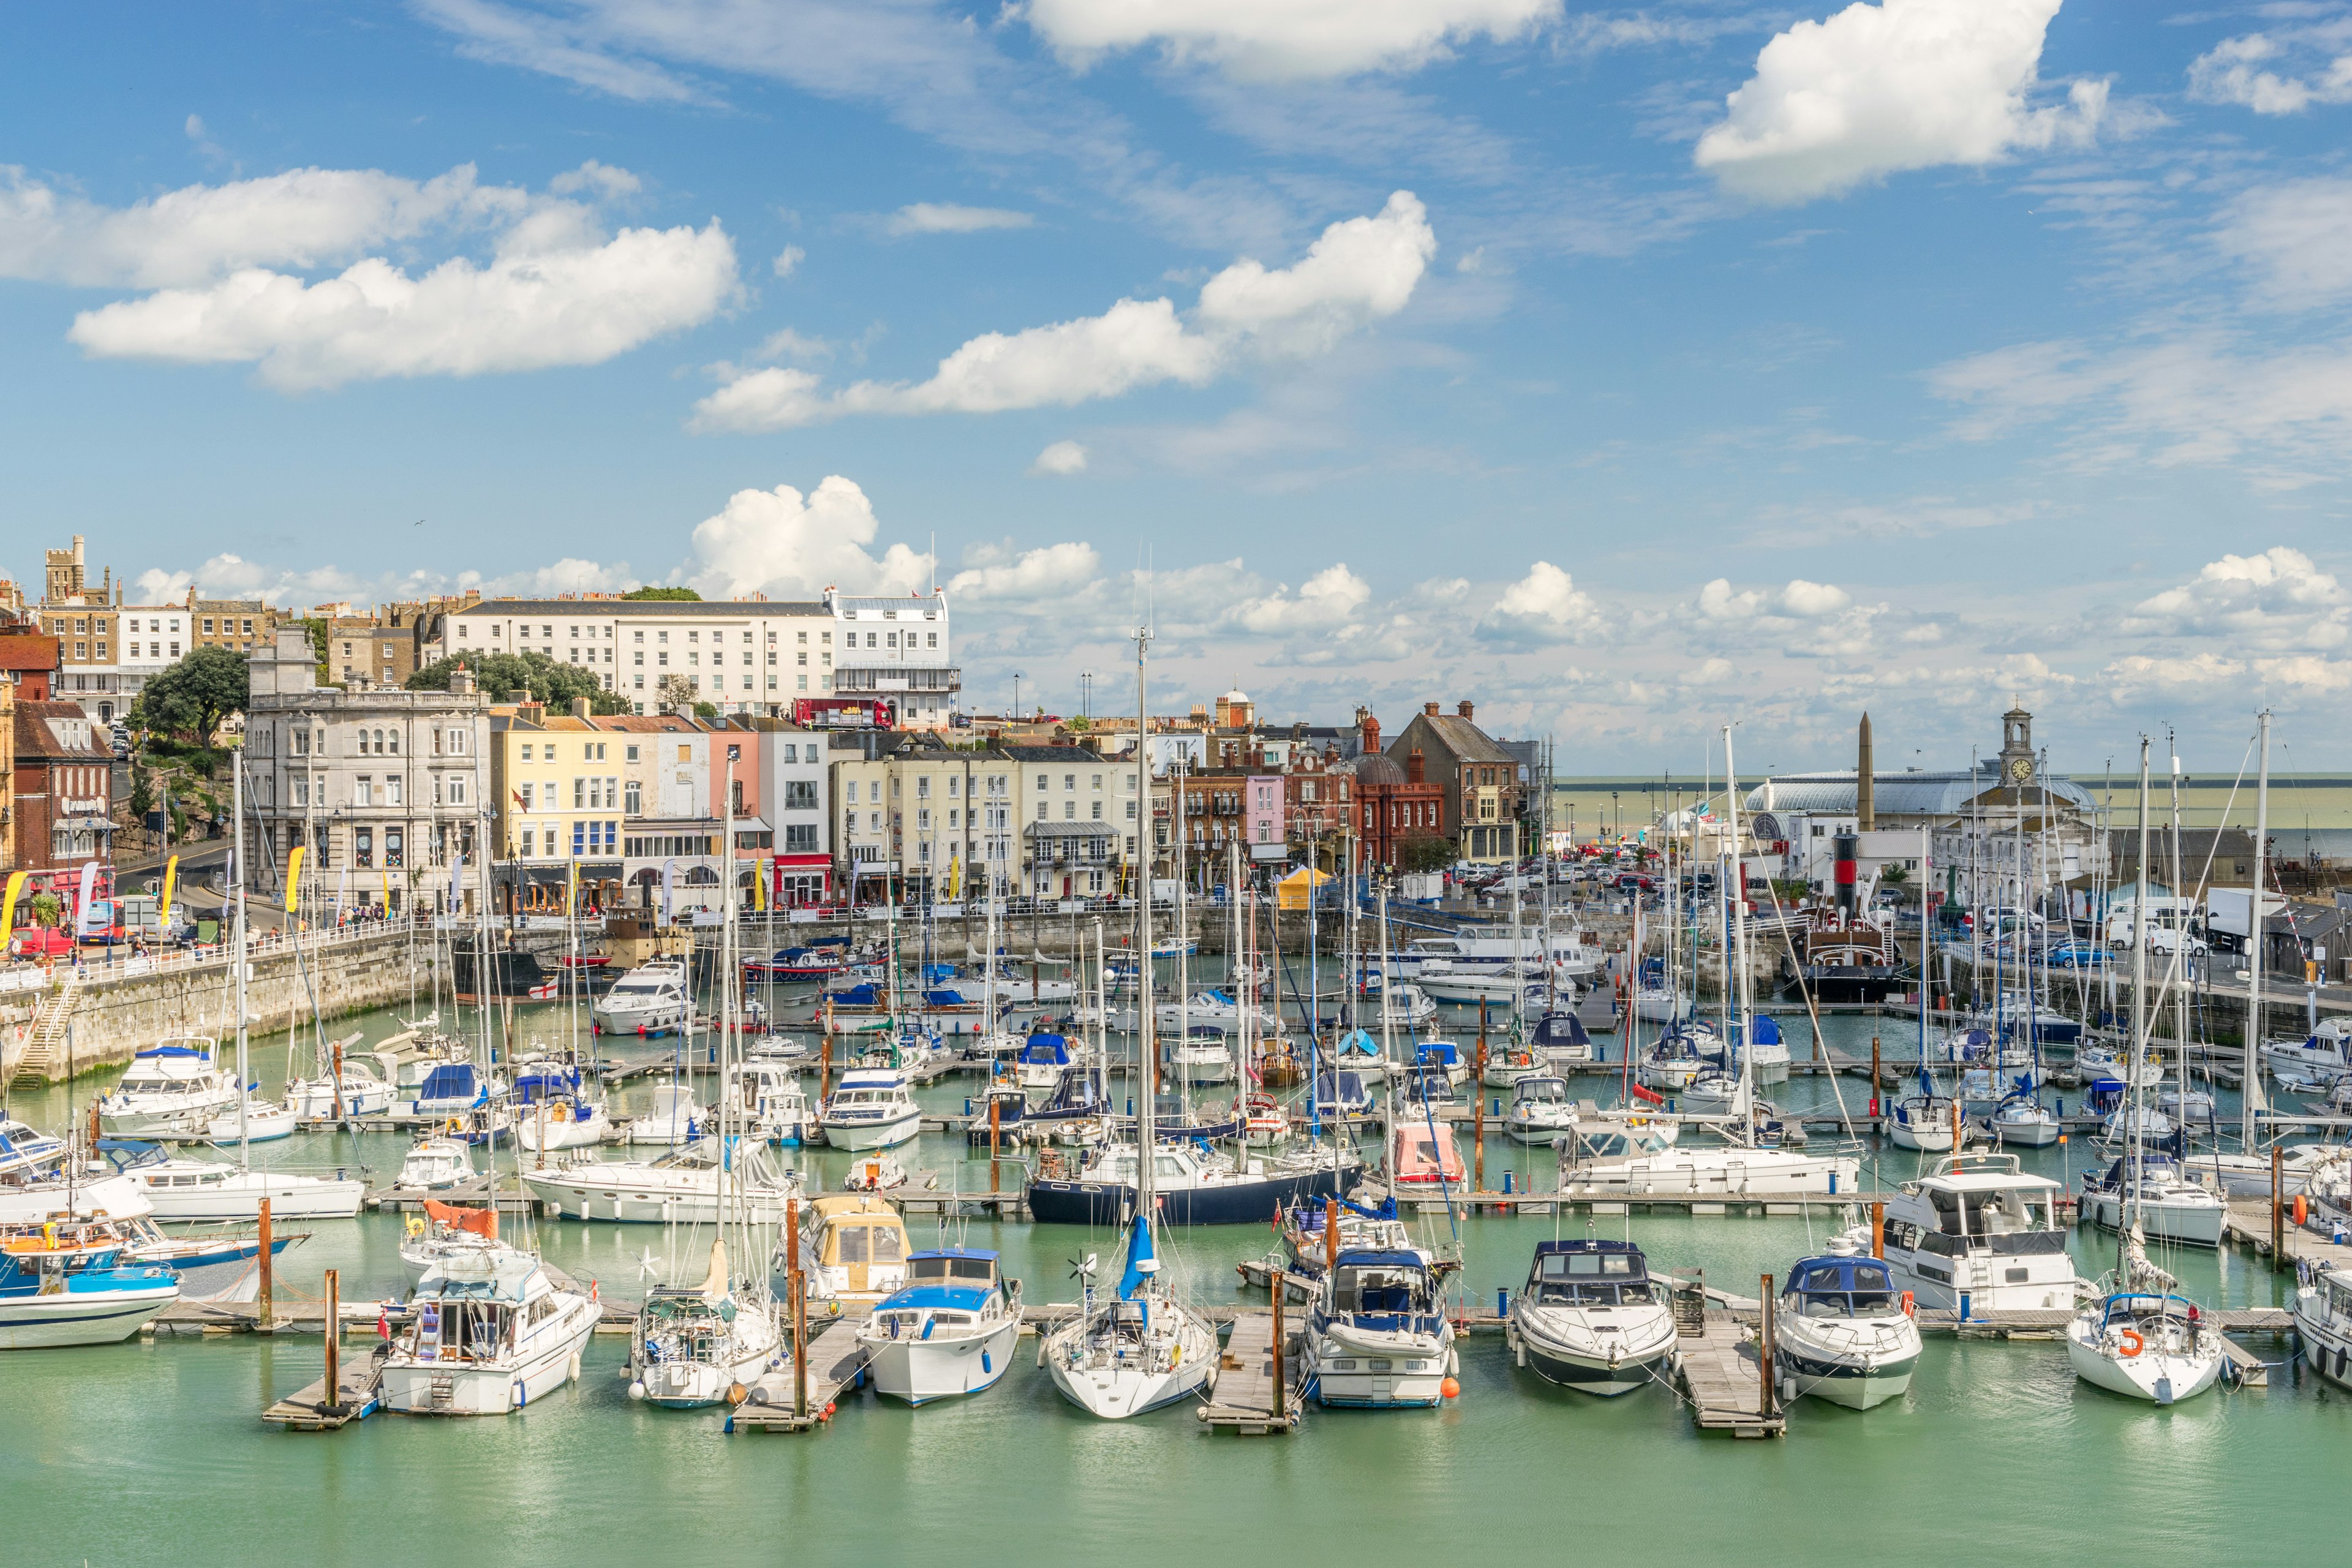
column 1264, row 823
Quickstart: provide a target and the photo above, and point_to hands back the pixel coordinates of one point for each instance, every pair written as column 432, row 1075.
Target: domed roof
column 1375, row 769
column 1235, row 695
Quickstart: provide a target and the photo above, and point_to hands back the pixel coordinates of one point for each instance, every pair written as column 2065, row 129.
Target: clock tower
column 2017, row 760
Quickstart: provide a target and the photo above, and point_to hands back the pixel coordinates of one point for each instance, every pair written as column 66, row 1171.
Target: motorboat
column 183, row 1189
column 28, row 1155
column 852, row 1249
column 1378, row 1337
column 2023, row 1121
column 1424, row 1160
column 1976, row 1046
column 1978, row 1226
column 2322, row 1321
column 2159, row 1348
column 1562, row 1037
column 1609, row 1156
column 870, row 1108
column 2191, row 1105
column 256, row 1122
column 2322, row 1056
column 775, row 1107
column 435, row 1163
column 2026, row 1020
column 174, row 1089
column 651, row 999
column 675, row 1117
column 2244, row 1175
column 695, row 1345
column 2162, row 1200
column 876, row 1172
column 1590, row 1318
column 1040, row 1063
column 1842, row 1334
column 1200, row 1057
column 1194, row 1187
column 1446, row 1056
column 339, row 1096
column 1215, row 1007
column 681, row 1187
column 1134, row 1348
column 950, row 1331
column 1403, row 1005
column 1511, row 1062
column 1519, row 986
column 73, row 1283
column 489, row 1333
column 1928, row 1123
column 1540, row 1108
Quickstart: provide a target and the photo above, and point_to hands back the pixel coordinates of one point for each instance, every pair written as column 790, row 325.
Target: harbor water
column 1997, row 1453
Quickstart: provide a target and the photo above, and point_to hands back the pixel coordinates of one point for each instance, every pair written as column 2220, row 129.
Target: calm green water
column 138, row 1453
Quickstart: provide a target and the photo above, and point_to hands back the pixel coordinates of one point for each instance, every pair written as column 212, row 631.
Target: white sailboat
column 1138, row 1347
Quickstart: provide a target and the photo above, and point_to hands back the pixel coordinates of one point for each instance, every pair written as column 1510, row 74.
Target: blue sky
column 1629, row 371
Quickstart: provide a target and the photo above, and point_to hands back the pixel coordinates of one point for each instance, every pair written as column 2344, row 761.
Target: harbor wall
column 113, row 1018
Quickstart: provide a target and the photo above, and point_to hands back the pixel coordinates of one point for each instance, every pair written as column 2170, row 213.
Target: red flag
column 1648, row 1097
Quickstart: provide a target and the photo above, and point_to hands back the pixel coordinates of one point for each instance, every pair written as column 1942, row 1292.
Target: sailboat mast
column 1148, row 1052
column 237, row 892
column 1739, row 921
column 2130, row 1204
column 2180, row 945
column 2252, row 1101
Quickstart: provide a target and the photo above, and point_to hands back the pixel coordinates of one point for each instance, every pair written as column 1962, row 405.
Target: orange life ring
column 2130, row 1343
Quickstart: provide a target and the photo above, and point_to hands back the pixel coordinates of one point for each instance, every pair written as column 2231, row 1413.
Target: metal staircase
column 42, row 1057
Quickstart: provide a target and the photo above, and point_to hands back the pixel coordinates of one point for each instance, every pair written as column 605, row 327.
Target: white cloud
column 1283, row 40
column 2297, row 235
column 788, row 345
column 790, row 546
column 304, row 219
column 1358, row 271
column 159, row 588
column 2279, row 599
column 1061, row 458
column 1877, row 88
column 2302, row 672
column 1050, row 574
column 603, row 179
column 1324, row 600
column 946, row 217
column 2230, row 71
column 2204, row 671
column 789, row 259
column 1801, row 600
column 1543, row 606
column 535, row 305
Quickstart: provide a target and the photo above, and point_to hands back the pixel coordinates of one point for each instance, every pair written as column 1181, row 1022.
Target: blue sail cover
column 1138, row 1251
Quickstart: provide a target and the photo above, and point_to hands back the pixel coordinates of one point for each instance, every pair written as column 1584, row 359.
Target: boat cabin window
column 1380, row 1290
column 979, row 1269
column 2002, row 1212
column 1590, row 1280
column 1830, row 1290
column 1167, row 1165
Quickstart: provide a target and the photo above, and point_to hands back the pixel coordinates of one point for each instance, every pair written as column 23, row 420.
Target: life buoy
column 2129, row 1343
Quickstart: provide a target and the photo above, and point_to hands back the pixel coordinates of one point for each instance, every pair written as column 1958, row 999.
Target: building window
column 391, row 789
column 364, row 846
column 456, row 791
column 633, row 800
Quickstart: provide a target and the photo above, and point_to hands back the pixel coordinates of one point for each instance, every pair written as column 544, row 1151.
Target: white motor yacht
column 436, row 1164
column 1378, row 1337
column 695, row 1345
column 263, row 1121
column 2321, row 1056
column 1540, row 1108
column 173, row 1090
column 1978, row 1226
column 354, row 1092
column 491, row 1332
column 1611, row 1157
column 675, row 1117
column 775, row 1108
column 2323, row 1321
column 2161, row 1349
column 680, row 1188
column 1842, row 1334
column 1589, row 1319
column 951, row 1331
column 2168, row 1205
column 2241, row 1175
column 648, row 1000
column 1200, row 1060
column 871, row 1108
column 208, row 1190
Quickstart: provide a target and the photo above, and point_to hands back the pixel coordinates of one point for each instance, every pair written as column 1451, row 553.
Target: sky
column 1632, row 373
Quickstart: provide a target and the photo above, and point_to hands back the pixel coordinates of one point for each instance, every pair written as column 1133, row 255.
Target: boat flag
column 163, row 905
column 294, row 857
column 9, row 906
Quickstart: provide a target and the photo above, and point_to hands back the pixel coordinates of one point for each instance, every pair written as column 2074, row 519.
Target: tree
column 650, row 591
column 512, row 676
column 1427, row 852
column 1894, row 876
column 706, row 709
column 192, row 697
column 674, row 693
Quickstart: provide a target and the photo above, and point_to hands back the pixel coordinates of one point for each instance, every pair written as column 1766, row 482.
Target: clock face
column 2020, row 768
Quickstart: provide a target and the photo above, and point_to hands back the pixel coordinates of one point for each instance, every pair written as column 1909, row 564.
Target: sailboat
column 1139, row 1347
column 2142, row 1343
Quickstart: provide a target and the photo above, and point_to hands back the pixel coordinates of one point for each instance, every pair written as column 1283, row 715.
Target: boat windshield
column 1380, row 1289
column 979, row 1269
column 871, row 1244
column 1592, row 1279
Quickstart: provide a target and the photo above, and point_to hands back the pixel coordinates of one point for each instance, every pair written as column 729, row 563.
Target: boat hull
column 338, row 1199
column 572, row 1197
column 1842, row 1383
column 2197, row 1225
column 1240, row 1203
column 860, row 1136
column 2153, row 1377
column 918, row 1372
column 81, row 1317
column 1618, row 1364
column 445, row 1388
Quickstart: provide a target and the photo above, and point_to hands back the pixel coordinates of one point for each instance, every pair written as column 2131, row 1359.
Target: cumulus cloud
column 1324, row 600
column 2296, row 235
column 1050, row 574
column 788, row 261
column 1272, row 40
column 2279, row 599
column 1061, row 458
column 2139, row 672
column 1878, row 89
column 1358, row 271
column 946, row 217
column 1801, row 600
column 1543, row 606
column 2315, row 67
column 787, row 545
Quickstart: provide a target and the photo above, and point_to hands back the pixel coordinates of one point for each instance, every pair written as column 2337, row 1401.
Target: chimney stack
column 1429, row 710
column 1414, row 772
column 1465, row 709
column 580, row 708
column 1865, row 803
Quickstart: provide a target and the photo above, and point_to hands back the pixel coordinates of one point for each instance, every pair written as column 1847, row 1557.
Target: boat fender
column 2129, row 1343
column 574, row 1367
column 986, row 1365
column 636, row 1388
column 1450, row 1389
column 1910, row 1305
column 737, row 1394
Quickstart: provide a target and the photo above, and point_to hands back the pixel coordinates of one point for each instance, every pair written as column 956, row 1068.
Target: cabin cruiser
column 1561, row 1036
column 1040, row 1063
column 2166, row 1204
column 1445, row 1056
column 1978, row 1226
column 1565, row 951
column 490, row 1333
column 951, row 1329
column 205, row 1190
column 354, row 1091
column 681, row 1187
column 1510, row 1062
column 1217, row 1008
column 1589, row 1319
column 73, row 1282
column 2241, row 1175
column 2322, row 1321
column 1378, row 1337
column 1842, row 1333
column 1609, row 1156
column 2161, row 1349
column 436, row 1164
column 26, row 1154
column 1200, row 1056
column 174, row 1089
column 1514, row 985
column 2322, row 1056
column 676, row 1116
column 1401, row 1005
column 650, row 999
column 1194, row 1187
column 871, row 1108
column 775, row 1107
column 1540, row 1108
column 852, row 1249
column 694, row 1345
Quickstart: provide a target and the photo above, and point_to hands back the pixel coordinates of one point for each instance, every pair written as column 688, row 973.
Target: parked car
column 2079, row 955
column 41, row 942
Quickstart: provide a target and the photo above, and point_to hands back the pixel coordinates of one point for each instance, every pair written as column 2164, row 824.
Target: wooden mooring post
column 2278, row 1213
column 799, row 1288
column 334, row 1333
column 264, row 1318
column 1281, row 1391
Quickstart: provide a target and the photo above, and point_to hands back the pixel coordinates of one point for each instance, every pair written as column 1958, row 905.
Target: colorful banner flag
column 294, row 858
column 760, row 883
column 8, row 908
column 163, row 906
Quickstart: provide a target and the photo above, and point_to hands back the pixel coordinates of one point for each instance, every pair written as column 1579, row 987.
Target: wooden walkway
column 837, row 1363
column 1244, row 1399
column 1716, row 1356
column 359, row 1394
column 2249, row 1225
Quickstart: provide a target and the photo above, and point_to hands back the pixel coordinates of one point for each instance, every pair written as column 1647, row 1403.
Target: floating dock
column 1717, row 1358
column 359, row 1394
column 837, row 1363
column 1257, row 1392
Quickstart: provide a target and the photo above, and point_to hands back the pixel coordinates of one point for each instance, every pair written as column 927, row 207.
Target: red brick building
column 28, row 662
column 62, row 793
column 1394, row 802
